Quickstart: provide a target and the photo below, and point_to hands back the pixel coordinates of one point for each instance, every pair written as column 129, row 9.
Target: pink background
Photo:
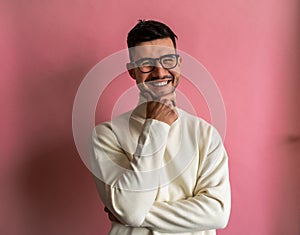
column 250, row 47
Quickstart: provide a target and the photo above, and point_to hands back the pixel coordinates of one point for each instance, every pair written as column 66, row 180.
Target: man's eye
column 168, row 60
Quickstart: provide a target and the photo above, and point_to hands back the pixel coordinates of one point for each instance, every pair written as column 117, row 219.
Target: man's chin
column 164, row 93
column 156, row 95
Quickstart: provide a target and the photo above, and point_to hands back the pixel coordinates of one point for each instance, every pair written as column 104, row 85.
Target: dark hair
column 148, row 30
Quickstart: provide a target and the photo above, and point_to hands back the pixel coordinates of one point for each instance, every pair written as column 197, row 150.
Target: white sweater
column 161, row 179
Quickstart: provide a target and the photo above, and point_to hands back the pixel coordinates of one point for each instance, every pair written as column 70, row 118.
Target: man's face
column 159, row 79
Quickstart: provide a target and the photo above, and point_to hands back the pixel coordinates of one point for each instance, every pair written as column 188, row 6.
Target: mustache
column 157, row 78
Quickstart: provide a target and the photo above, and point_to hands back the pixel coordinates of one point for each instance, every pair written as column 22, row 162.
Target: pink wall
column 250, row 47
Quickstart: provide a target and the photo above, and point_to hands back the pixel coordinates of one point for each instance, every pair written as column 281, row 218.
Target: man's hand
column 111, row 217
column 162, row 109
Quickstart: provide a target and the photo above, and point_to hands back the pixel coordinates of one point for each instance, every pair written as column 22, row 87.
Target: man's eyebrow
column 148, row 58
column 144, row 58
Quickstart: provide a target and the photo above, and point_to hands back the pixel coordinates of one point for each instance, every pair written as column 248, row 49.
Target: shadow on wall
column 56, row 193
column 290, row 151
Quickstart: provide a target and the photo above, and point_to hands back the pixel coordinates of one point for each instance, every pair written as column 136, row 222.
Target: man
column 158, row 169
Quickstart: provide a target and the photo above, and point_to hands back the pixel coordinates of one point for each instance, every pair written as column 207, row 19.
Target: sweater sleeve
column 208, row 208
column 127, row 186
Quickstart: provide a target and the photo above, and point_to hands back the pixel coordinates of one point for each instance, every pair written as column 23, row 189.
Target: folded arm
column 128, row 187
column 208, row 208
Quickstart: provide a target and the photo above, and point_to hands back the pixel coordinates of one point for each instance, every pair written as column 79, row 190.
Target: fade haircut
column 148, row 30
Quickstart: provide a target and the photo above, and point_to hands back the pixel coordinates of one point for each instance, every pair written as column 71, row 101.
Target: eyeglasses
column 146, row 65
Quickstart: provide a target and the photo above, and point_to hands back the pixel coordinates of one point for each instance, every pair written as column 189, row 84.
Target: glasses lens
column 169, row 61
column 146, row 65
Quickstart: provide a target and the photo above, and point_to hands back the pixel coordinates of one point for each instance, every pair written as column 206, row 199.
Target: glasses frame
column 159, row 59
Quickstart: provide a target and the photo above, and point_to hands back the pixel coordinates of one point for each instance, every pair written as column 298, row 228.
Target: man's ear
column 179, row 61
column 130, row 69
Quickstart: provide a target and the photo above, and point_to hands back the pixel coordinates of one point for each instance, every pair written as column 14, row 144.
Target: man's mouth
column 160, row 83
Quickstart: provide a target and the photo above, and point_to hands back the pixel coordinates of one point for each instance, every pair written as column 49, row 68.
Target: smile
column 160, row 84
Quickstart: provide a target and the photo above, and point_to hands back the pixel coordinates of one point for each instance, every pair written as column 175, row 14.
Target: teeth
column 159, row 84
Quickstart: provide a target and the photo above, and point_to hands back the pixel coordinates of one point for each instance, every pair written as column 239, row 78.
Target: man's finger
column 168, row 103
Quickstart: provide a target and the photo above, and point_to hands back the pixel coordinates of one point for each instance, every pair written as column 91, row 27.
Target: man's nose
column 159, row 71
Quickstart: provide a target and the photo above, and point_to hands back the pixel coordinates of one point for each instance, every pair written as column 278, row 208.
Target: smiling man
column 172, row 168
